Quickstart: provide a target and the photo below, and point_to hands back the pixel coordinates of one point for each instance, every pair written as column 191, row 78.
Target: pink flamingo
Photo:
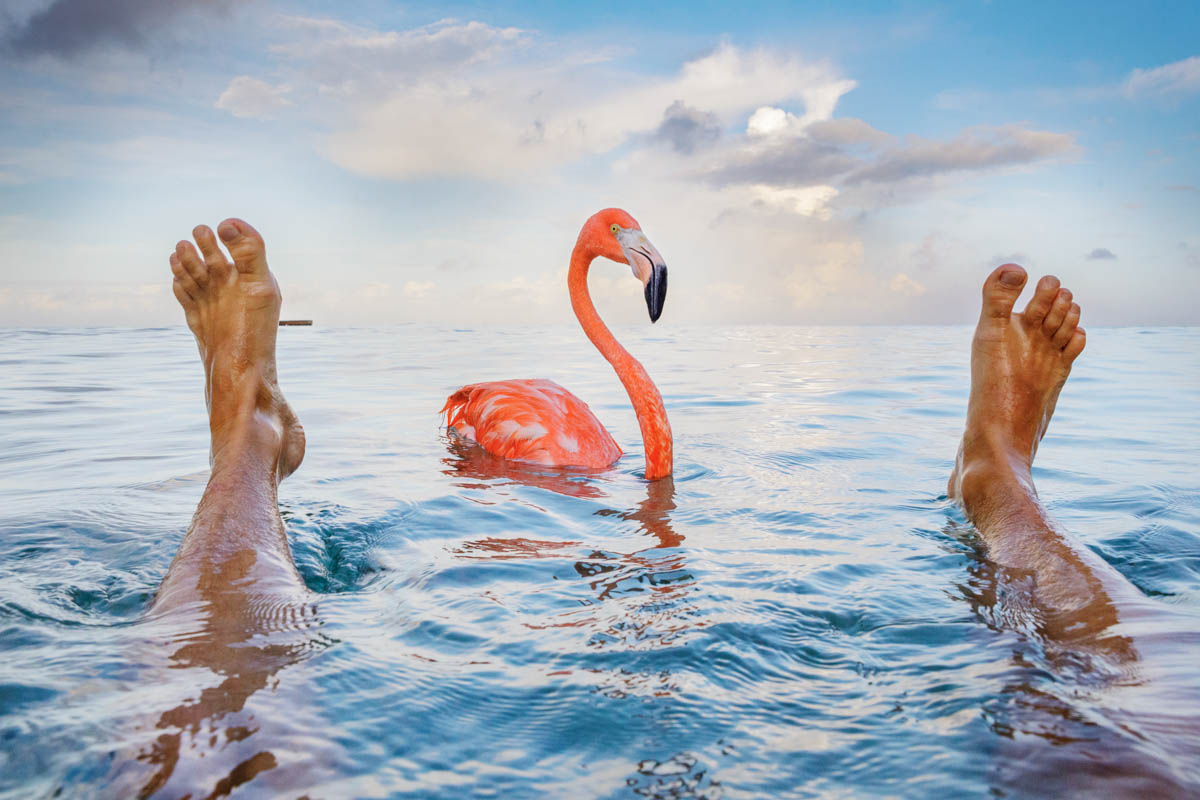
column 538, row 420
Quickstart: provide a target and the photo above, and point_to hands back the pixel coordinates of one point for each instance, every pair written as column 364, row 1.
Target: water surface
column 799, row 613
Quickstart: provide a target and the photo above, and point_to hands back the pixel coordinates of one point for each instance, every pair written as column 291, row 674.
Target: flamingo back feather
column 531, row 420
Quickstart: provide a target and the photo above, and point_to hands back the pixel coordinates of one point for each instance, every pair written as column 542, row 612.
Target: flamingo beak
column 648, row 266
column 656, row 290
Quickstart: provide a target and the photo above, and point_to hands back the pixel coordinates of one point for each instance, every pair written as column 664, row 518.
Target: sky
column 795, row 163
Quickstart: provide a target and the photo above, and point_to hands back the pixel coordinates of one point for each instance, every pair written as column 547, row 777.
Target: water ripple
column 800, row 612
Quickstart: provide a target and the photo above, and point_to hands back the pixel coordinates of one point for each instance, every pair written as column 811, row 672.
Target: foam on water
column 799, row 613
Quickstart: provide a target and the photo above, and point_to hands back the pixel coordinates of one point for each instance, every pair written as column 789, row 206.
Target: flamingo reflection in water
column 659, row 569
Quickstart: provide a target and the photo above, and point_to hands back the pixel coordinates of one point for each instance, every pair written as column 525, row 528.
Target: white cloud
column 808, row 201
column 252, row 98
column 902, row 284
column 345, row 59
column 474, row 111
column 1178, row 77
column 418, row 289
column 424, row 104
column 80, row 304
column 734, row 161
column 767, row 120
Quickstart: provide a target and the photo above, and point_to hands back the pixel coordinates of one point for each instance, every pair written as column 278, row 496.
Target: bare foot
column 1019, row 363
column 233, row 311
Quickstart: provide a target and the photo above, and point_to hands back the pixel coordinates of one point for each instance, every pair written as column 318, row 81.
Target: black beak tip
column 656, row 291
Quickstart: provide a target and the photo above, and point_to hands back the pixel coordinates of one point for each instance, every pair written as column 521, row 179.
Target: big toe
column 245, row 245
column 1001, row 290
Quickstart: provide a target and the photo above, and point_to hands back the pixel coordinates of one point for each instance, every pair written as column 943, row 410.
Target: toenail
column 228, row 231
column 1010, row 278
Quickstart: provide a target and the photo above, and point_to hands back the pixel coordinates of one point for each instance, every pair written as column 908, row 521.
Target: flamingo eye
column 614, row 228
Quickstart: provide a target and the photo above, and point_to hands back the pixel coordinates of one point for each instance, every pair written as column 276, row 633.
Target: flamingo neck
column 647, row 402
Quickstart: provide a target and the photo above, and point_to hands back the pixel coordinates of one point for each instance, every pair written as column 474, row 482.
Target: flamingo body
column 541, row 422
column 531, row 420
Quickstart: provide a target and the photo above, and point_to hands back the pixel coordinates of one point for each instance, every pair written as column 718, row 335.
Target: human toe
column 1075, row 345
column 1043, row 298
column 214, row 260
column 1070, row 323
column 182, row 295
column 1058, row 311
column 1001, row 290
column 245, row 245
column 192, row 263
column 182, row 277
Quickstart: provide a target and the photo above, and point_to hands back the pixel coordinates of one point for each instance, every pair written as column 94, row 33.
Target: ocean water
column 799, row 613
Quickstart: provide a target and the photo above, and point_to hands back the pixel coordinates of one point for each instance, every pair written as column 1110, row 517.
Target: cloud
column 979, row 148
column 800, row 161
column 1179, row 77
column 418, row 289
column 87, row 303
column 902, row 284
column 250, row 97
column 482, row 112
column 734, row 160
column 781, row 150
column 139, row 155
column 1101, row 254
column 349, row 60
column 807, row 201
column 67, row 28
column 686, row 129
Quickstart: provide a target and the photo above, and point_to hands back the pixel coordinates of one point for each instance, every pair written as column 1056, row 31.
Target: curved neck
column 647, row 402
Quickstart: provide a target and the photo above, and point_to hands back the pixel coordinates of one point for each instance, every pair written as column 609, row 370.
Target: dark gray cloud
column 1101, row 254
column 977, row 149
column 67, row 28
column 801, row 161
column 360, row 60
column 687, row 129
column 847, row 131
column 850, row 152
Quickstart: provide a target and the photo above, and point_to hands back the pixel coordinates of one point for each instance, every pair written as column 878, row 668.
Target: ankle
column 995, row 446
column 251, row 440
column 988, row 474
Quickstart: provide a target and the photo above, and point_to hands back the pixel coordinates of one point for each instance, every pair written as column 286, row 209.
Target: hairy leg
column 234, row 608
column 1118, row 719
column 1019, row 364
column 236, row 543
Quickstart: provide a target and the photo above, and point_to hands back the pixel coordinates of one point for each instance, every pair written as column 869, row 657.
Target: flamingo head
column 615, row 235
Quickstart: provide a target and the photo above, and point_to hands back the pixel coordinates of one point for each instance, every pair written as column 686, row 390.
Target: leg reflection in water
column 1117, row 708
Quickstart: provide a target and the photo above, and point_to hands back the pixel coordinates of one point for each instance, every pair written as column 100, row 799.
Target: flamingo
column 539, row 421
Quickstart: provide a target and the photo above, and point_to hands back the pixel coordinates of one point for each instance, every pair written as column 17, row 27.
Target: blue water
column 800, row 614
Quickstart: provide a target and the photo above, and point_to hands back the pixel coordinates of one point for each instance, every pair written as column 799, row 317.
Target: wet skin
column 233, row 583
column 1114, row 645
column 236, row 609
column 233, row 311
